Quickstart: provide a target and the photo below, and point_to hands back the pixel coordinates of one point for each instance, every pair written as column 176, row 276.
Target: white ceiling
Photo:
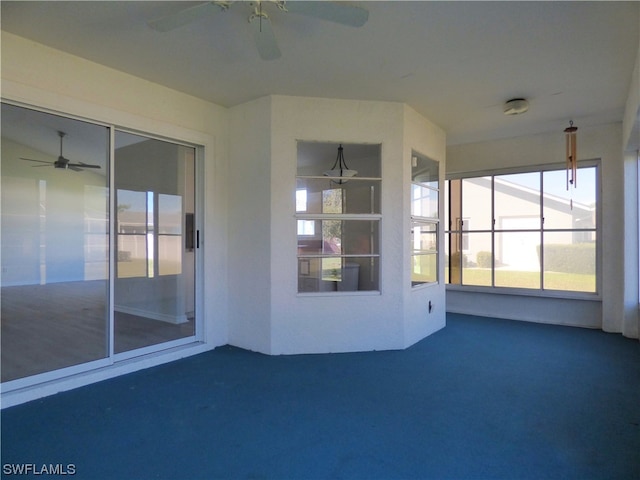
column 454, row 62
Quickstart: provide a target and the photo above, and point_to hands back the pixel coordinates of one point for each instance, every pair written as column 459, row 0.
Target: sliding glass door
column 55, row 238
column 98, row 245
column 154, row 294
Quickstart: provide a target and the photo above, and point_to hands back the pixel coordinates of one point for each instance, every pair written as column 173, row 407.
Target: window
column 338, row 220
column 305, row 227
column 424, row 220
column 137, row 234
column 523, row 230
column 170, row 231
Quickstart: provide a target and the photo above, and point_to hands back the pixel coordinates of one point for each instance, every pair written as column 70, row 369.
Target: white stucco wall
column 631, row 321
column 281, row 321
column 631, row 118
column 603, row 142
column 250, row 225
column 344, row 322
column 34, row 74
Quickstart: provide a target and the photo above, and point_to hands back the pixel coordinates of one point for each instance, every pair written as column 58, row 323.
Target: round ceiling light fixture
column 515, row 106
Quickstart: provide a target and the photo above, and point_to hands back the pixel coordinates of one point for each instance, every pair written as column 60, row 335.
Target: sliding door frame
column 198, row 206
column 113, row 359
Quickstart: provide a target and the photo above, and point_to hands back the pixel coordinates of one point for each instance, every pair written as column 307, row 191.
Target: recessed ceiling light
column 515, row 106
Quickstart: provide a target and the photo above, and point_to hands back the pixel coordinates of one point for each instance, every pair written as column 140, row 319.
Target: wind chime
column 571, row 157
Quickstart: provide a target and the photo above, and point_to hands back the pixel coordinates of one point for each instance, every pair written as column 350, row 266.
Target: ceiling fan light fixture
column 337, row 12
column 515, row 106
column 263, row 35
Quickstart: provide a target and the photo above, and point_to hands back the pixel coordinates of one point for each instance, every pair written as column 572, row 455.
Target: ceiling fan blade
column 336, row 12
column 188, row 15
column 82, row 165
column 264, row 38
column 39, row 161
column 74, row 168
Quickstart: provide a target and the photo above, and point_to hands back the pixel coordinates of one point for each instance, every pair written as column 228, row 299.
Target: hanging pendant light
column 340, row 170
column 571, row 156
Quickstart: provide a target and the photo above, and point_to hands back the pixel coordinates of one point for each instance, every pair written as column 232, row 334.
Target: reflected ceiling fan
column 260, row 22
column 62, row 162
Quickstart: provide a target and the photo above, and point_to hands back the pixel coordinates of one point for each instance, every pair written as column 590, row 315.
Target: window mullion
column 542, row 286
column 493, row 232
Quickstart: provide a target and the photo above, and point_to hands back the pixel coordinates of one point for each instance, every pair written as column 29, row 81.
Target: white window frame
column 417, row 221
column 303, row 259
column 541, row 292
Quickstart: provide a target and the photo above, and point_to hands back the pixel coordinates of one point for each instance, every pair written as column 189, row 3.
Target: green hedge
column 484, row 259
column 455, row 259
column 570, row 258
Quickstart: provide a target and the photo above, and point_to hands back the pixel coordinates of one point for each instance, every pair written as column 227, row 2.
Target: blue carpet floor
column 481, row 399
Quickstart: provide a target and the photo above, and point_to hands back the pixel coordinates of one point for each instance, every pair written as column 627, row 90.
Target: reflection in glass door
column 63, row 190
column 154, row 285
column 55, row 242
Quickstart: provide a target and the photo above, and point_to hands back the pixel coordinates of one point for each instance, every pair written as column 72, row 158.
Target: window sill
column 525, row 292
column 354, row 293
column 421, row 286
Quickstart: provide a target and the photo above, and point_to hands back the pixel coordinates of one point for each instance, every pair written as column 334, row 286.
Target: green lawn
column 574, row 282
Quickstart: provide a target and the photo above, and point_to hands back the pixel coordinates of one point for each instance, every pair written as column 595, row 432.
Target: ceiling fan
column 62, row 162
column 260, row 22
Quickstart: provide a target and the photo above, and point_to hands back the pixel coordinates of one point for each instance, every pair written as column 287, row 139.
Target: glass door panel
column 55, row 239
column 154, row 288
column 131, row 228
column 170, row 234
